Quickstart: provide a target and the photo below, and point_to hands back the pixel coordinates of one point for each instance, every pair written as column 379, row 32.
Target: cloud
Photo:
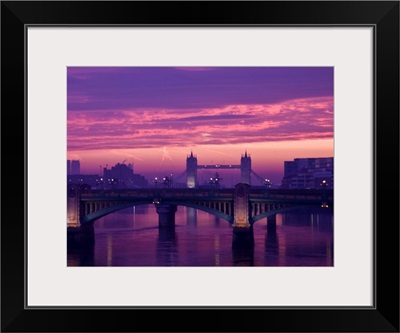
column 297, row 119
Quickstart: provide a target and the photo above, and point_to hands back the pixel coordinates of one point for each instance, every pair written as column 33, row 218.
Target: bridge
column 241, row 206
column 192, row 166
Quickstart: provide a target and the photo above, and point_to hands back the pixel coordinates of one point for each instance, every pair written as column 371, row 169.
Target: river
column 131, row 237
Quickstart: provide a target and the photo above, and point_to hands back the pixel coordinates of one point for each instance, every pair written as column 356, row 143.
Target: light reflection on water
column 132, row 238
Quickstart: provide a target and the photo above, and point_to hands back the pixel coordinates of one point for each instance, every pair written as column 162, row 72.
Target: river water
column 131, row 237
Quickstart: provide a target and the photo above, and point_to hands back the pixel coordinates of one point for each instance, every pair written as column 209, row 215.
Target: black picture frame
column 383, row 16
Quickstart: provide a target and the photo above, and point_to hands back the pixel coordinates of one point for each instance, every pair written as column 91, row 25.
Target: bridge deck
column 256, row 204
column 212, row 194
column 218, row 166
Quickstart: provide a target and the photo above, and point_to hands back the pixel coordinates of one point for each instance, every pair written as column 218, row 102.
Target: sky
column 154, row 117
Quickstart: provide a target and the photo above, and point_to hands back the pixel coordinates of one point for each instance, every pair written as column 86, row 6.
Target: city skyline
column 154, row 117
column 298, row 173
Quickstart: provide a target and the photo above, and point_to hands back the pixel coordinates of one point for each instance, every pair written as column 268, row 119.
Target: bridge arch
column 211, row 211
column 91, row 218
column 259, row 217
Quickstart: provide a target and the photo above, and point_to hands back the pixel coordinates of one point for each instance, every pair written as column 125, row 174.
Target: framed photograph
column 227, row 157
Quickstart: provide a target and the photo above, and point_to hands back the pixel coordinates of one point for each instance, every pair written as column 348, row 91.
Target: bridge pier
column 81, row 237
column 166, row 215
column 271, row 222
column 243, row 238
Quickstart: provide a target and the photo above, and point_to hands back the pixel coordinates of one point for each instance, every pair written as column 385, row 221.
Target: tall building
column 308, row 173
column 75, row 167
column 68, row 167
column 245, row 168
column 191, row 171
column 121, row 176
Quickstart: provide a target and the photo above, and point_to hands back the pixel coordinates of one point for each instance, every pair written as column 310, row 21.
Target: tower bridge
column 241, row 206
column 192, row 166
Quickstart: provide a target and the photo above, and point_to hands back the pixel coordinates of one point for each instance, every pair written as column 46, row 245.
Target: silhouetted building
column 122, row 176
column 308, row 173
column 139, row 181
column 75, row 168
column 68, row 167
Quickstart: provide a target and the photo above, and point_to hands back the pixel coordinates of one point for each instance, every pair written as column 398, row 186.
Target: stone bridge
column 241, row 206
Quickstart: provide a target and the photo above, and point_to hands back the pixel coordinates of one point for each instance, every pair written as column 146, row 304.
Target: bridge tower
column 191, row 171
column 245, row 168
column 243, row 236
column 78, row 234
column 73, row 209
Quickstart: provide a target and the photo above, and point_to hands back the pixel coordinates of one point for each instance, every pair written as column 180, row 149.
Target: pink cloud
column 299, row 119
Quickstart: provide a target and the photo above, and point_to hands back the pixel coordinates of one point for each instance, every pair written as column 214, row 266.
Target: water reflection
column 271, row 247
column 132, row 238
column 80, row 256
column 243, row 257
column 191, row 216
column 167, row 253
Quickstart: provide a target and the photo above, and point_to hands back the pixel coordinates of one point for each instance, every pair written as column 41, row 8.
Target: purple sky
column 116, row 88
column 150, row 114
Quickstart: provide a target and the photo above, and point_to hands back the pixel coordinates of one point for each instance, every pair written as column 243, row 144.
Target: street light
column 324, row 203
column 155, row 194
column 167, row 181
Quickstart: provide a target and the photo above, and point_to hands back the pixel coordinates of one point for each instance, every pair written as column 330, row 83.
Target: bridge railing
column 153, row 193
column 214, row 193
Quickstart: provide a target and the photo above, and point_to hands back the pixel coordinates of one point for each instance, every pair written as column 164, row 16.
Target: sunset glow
column 154, row 117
